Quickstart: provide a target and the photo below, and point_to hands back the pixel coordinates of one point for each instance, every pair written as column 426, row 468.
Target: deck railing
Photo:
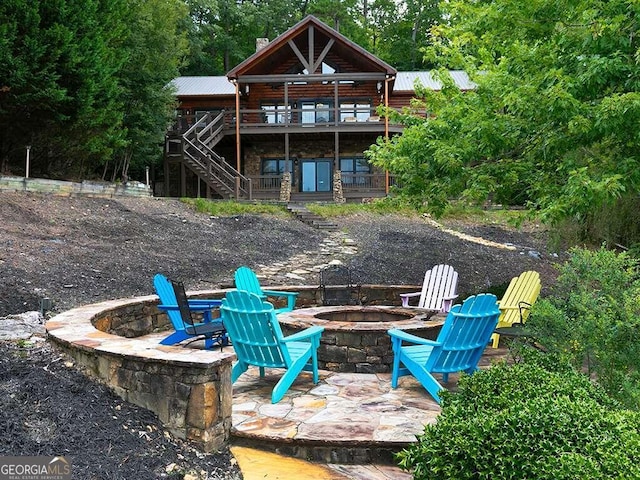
column 289, row 118
column 266, row 183
column 352, row 182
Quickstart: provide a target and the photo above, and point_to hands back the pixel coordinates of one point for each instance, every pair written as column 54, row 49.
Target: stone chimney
column 261, row 43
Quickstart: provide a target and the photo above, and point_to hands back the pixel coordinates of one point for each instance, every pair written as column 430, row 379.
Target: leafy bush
column 230, row 207
column 616, row 223
column 592, row 320
column 523, row 421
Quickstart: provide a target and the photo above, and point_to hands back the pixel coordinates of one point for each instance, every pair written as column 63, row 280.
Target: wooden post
column 237, row 139
column 386, row 129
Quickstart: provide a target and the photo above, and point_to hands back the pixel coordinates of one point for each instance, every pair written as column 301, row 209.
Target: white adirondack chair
column 438, row 290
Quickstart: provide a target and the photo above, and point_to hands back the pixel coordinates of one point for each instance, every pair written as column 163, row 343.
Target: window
column 361, row 111
column 325, row 69
column 316, row 111
column 275, row 112
column 351, row 168
column 275, row 166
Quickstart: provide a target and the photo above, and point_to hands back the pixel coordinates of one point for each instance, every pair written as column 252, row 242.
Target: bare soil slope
column 83, row 250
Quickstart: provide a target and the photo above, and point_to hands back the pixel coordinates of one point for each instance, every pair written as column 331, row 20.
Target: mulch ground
column 77, row 251
column 49, row 408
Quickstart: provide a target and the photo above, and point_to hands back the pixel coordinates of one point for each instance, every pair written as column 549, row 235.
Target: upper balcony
column 296, row 119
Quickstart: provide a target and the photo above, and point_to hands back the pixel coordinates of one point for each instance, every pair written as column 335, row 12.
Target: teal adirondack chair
column 247, row 280
column 458, row 348
column 257, row 339
column 184, row 327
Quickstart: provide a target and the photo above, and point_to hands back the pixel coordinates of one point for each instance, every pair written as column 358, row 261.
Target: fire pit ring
column 355, row 337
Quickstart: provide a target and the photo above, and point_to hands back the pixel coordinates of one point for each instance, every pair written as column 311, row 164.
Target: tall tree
column 553, row 121
column 223, row 32
column 156, row 48
column 57, row 88
column 86, row 81
column 345, row 16
column 400, row 31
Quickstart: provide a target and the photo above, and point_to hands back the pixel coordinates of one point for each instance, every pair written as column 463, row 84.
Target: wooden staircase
column 303, row 214
column 198, row 155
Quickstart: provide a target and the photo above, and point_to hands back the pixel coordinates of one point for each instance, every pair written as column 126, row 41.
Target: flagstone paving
column 305, row 267
column 351, row 422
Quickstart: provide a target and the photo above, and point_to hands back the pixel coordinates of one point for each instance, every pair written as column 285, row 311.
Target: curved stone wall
column 118, row 342
column 189, row 389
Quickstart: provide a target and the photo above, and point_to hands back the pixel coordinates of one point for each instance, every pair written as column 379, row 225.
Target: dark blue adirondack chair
column 247, row 280
column 458, row 348
column 257, row 339
column 185, row 328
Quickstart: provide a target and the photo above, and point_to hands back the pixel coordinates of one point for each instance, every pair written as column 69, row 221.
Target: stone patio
column 353, row 422
column 348, row 418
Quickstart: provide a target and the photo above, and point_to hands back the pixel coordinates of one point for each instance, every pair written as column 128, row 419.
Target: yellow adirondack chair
column 517, row 300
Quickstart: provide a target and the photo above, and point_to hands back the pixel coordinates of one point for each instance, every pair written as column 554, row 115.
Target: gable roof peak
column 283, row 41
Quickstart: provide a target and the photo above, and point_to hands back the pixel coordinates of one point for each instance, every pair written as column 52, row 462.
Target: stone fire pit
column 355, row 337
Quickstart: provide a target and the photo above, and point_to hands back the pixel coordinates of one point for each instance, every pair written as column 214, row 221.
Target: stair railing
column 198, row 140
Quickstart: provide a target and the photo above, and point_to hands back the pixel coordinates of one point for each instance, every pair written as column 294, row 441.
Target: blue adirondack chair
column 212, row 329
column 247, row 280
column 257, row 339
column 461, row 341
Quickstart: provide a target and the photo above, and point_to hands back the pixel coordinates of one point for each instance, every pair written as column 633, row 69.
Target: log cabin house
column 290, row 123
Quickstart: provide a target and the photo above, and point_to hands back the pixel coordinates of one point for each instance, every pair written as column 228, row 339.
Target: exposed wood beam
column 317, row 77
column 322, row 56
column 298, row 53
column 311, row 39
column 238, row 143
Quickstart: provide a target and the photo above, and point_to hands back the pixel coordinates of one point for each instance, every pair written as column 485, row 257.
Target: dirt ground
column 76, row 251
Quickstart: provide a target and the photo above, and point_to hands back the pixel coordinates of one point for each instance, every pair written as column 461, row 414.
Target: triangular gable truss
column 293, row 40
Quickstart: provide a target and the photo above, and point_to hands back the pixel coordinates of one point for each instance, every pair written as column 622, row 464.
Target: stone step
column 304, row 215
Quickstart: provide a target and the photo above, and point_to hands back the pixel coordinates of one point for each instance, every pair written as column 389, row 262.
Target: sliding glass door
column 316, row 175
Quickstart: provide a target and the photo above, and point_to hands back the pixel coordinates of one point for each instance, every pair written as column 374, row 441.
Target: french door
column 315, row 175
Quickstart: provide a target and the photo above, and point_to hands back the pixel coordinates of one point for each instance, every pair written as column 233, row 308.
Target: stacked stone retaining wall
column 63, row 188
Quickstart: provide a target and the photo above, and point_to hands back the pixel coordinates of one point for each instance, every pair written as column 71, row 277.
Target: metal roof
column 221, row 86
column 194, row 86
column 405, row 81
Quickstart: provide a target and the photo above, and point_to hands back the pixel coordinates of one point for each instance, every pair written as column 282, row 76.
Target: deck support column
column 238, row 153
column 183, row 180
column 165, row 168
column 386, row 129
column 286, row 146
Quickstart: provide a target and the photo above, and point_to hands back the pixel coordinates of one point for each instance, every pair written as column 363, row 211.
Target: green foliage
column 399, row 31
column 523, row 421
column 58, row 92
column 380, row 206
column 85, row 82
column 551, row 124
column 222, row 33
column 592, row 320
column 616, row 224
column 155, row 49
column 230, row 207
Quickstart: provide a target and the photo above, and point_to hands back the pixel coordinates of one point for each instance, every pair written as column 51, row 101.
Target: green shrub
column 522, row 421
column 230, row 207
column 592, row 320
column 616, row 223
